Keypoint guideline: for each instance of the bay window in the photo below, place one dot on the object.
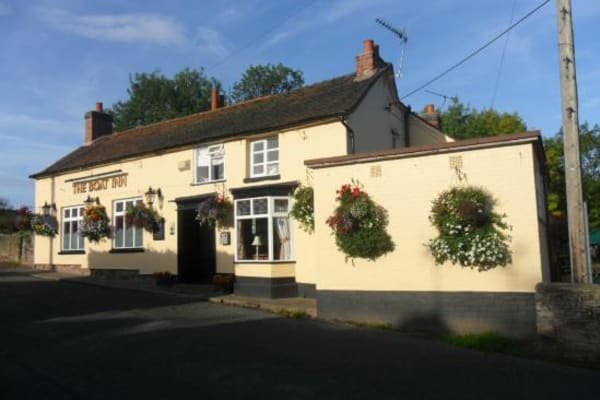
(263, 230)
(126, 236)
(71, 220)
(210, 163)
(264, 157)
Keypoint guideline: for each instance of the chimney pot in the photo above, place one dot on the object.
(99, 107)
(430, 109)
(369, 45)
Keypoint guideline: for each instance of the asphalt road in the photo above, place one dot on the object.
(70, 341)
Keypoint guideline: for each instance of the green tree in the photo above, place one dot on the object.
(264, 80)
(590, 173)
(465, 122)
(154, 97)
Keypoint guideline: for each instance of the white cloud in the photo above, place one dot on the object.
(209, 41)
(119, 28)
(5, 8)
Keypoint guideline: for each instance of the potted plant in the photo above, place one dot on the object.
(95, 224)
(303, 209)
(359, 224)
(143, 216)
(164, 278)
(215, 211)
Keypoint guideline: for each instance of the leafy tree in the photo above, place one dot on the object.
(7, 217)
(154, 97)
(465, 122)
(590, 165)
(264, 80)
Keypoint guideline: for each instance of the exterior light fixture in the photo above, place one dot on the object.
(152, 194)
(46, 209)
(89, 202)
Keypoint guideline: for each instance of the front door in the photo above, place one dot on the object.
(196, 248)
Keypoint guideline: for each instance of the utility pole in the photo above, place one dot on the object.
(570, 113)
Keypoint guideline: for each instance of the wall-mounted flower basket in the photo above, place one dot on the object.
(470, 232)
(144, 217)
(303, 209)
(44, 225)
(215, 211)
(359, 224)
(95, 225)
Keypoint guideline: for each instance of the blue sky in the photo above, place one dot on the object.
(57, 58)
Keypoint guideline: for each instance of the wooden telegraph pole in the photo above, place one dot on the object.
(570, 113)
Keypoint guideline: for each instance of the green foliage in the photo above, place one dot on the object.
(215, 211)
(303, 209)
(264, 80)
(154, 97)
(359, 224)
(489, 341)
(471, 234)
(589, 139)
(465, 122)
(143, 217)
(7, 217)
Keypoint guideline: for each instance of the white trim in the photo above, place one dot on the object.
(264, 152)
(122, 213)
(70, 219)
(211, 153)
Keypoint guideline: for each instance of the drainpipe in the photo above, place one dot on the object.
(350, 143)
(406, 126)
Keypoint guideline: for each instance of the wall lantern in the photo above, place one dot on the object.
(89, 202)
(48, 209)
(151, 195)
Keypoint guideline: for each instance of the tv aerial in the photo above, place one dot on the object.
(401, 34)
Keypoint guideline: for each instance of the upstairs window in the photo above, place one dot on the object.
(210, 163)
(71, 237)
(264, 157)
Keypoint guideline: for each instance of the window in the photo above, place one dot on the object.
(263, 229)
(210, 163)
(264, 157)
(71, 238)
(126, 237)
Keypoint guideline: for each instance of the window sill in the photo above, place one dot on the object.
(123, 251)
(262, 178)
(71, 252)
(207, 182)
(265, 262)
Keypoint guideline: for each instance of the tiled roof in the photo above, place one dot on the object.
(333, 98)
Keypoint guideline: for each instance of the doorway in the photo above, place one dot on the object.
(196, 247)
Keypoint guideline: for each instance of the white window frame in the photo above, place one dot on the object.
(270, 215)
(136, 231)
(265, 164)
(210, 156)
(80, 245)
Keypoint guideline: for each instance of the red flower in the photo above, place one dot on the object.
(356, 192)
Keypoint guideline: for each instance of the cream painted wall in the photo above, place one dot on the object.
(161, 171)
(406, 188)
(421, 133)
(372, 122)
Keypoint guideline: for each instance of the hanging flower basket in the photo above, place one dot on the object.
(470, 232)
(95, 224)
(142, 216)
(44, 225)
(303, 209)
(215, 211)
(359, 224)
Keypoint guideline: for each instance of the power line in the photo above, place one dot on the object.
(512, 15)
(479, 50)
(259, 37)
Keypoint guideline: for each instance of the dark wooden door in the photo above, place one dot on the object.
(196, 248)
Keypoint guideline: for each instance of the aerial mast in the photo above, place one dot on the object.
(401, 35)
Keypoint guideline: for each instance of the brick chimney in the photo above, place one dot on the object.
(97, 124)
(215, 99)
(431, 116)
(368, 62)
